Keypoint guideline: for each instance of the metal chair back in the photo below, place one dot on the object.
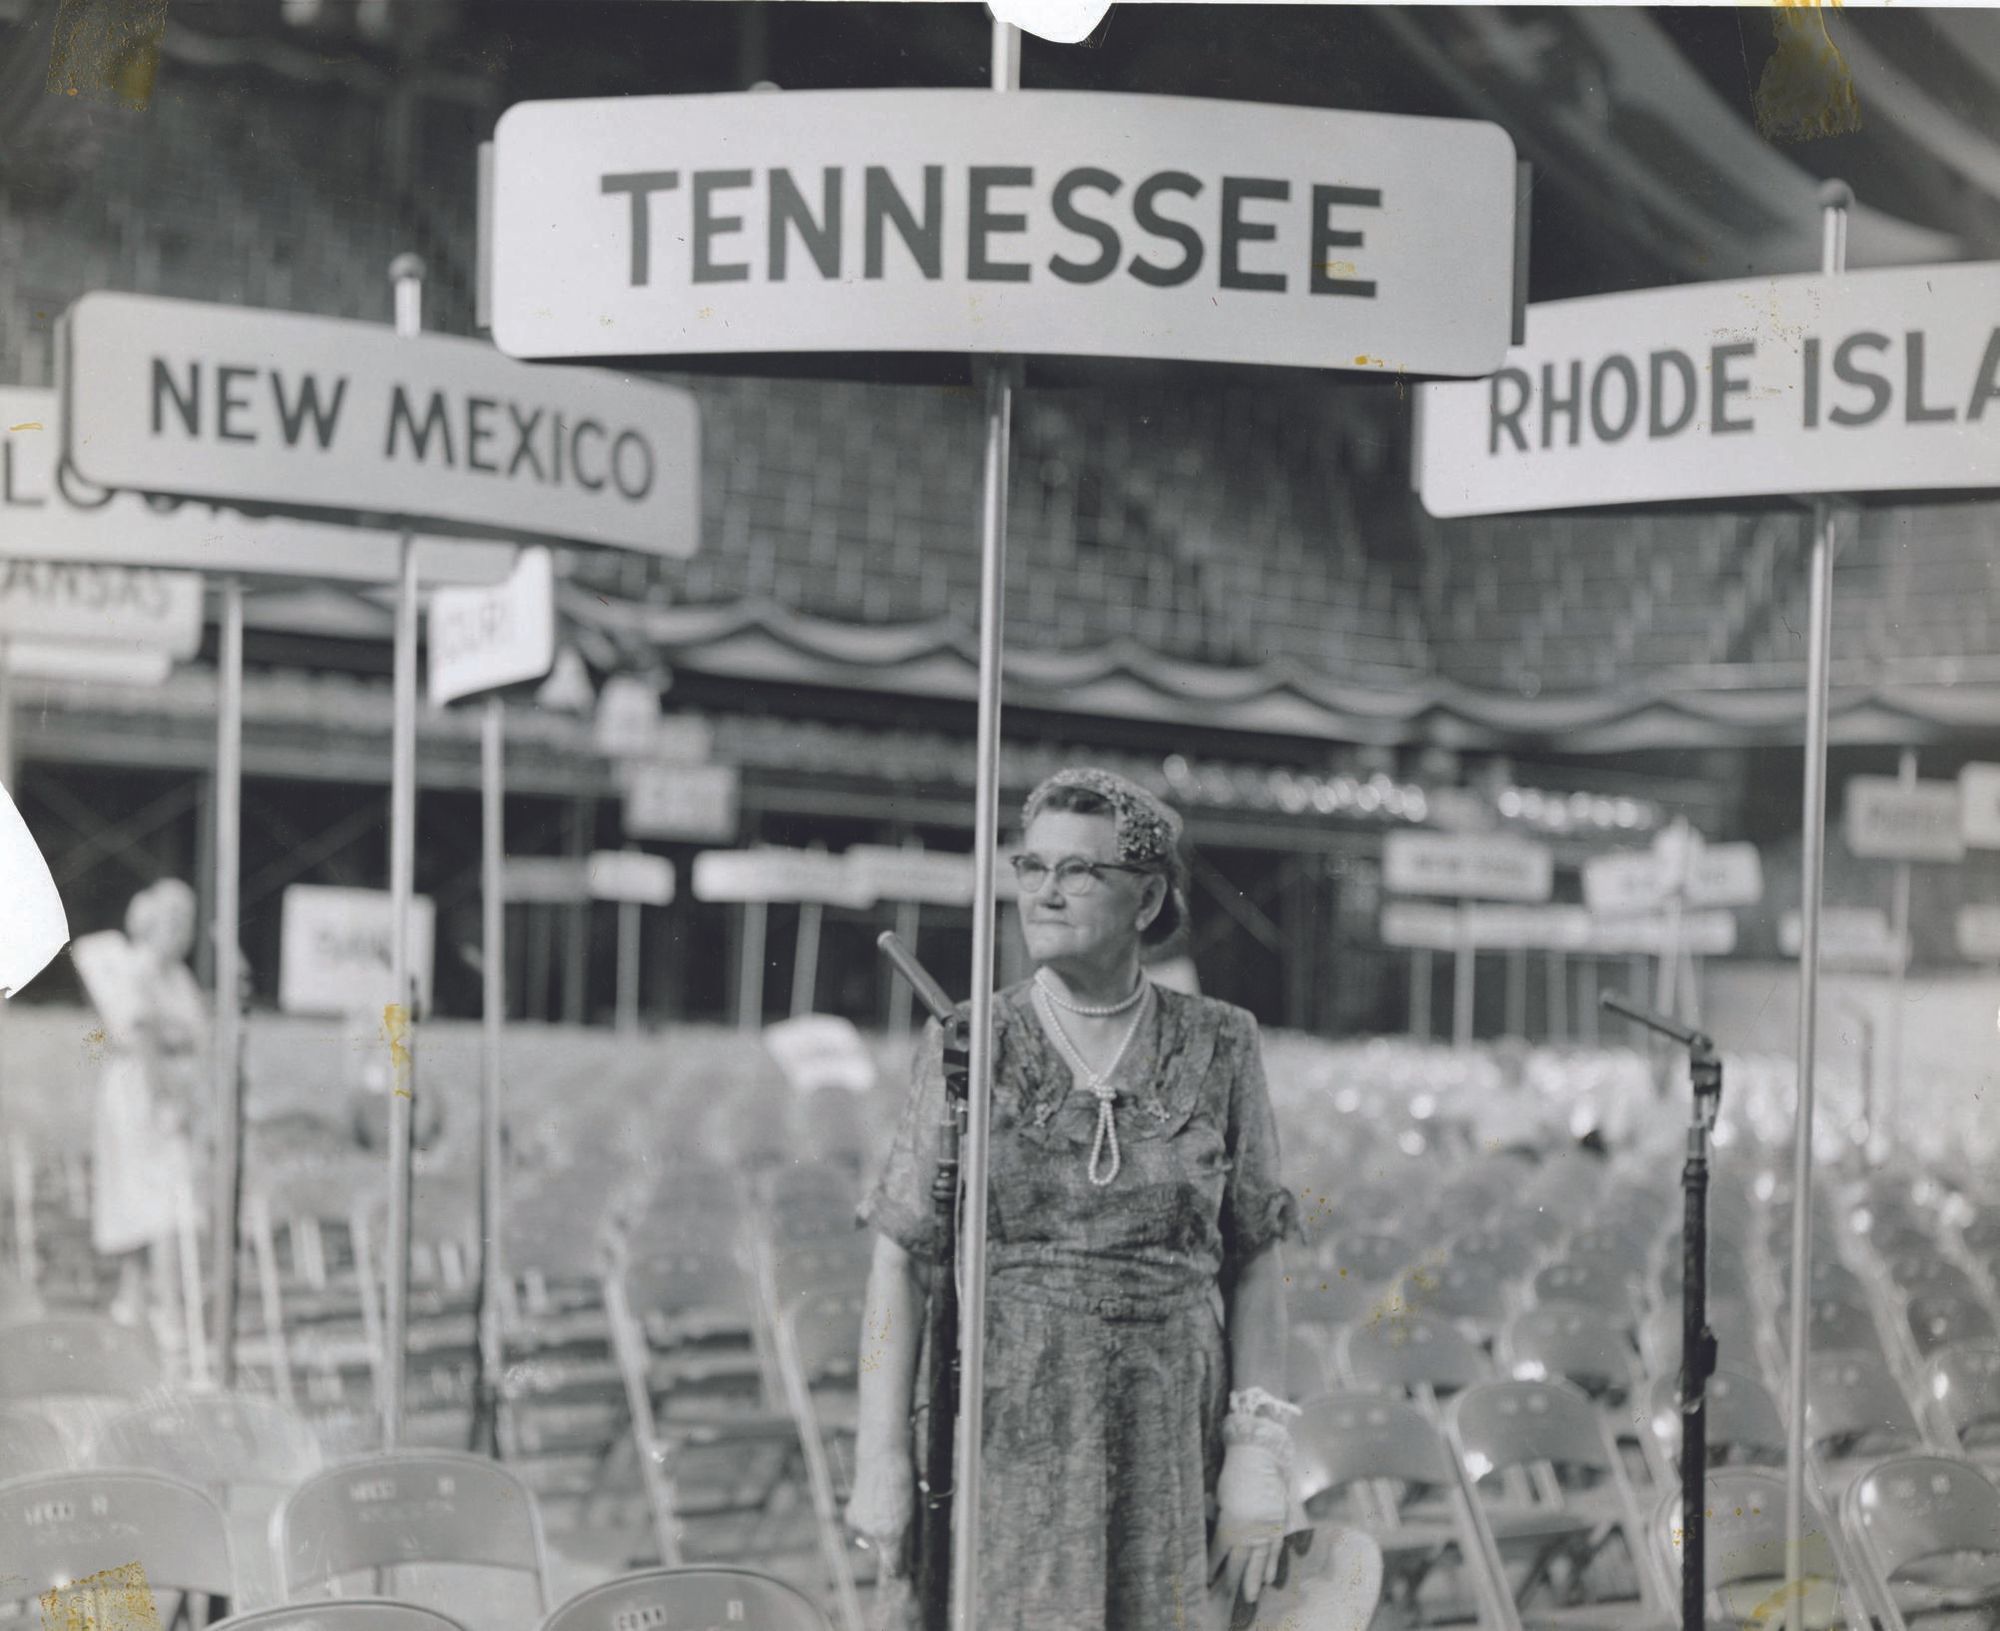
(688, 1600)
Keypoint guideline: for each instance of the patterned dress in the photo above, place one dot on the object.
(1107, 1369)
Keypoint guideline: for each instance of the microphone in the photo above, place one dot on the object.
(1653, 1020)
(929, 992)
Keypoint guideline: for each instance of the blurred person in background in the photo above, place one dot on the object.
(1137, 1448)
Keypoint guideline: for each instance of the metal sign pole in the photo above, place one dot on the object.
(1892, 1103)
(406, 274)
(985, 900)
(493, 1018)
(1420, 994)
(750, 968)
(1464, 970)
(228, 1085)
(1835, 198)
(628, 968)
(1556, 991)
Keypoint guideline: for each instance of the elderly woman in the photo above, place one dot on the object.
(1136, 1449)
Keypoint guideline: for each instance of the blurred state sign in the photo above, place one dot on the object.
(545, 880)
(778, 875)
(1979, 805)
(126, 606)
(1877, 381)
(1850, 937)
(1424, 927)
(1042, 222)
(318, 413)
(817, 1051)
(693, 803)
(1489, 866)
(1657, 934)
(333, 950)
(1978, 933)
(925, 877)
(1716, 875)
(1889, 820)
(481, 639)
(33, 925)
(630, 875)
(48, 514)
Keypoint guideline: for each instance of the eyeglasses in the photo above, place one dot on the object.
(1074, 875)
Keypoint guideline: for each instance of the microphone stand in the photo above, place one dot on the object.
(1697, 1341)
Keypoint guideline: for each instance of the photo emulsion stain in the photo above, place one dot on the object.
(1069, 818)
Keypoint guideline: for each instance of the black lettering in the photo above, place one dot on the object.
(632, 490)
(709, 226)
(821, 237)
(228, 404)
(1600, 423)
(1326, 237)
(1152, 221)
(292, 415)
(478, 432)
(1236, 232)
(1914, 411)
(189, 406)
(558, 448)
(1101, 233)
(524, 441)
(1722, 385)
(1986, 383)
(1507, 419)
(923, 239)
(1572, 405)
(435, 419)
(576, 453)
(1812, 382)
(640, 185)
(1657, 426)
(980, 221)
(1848, 372)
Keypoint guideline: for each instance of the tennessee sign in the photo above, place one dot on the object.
(316, 413)
(1882, 381)
(1046, 222)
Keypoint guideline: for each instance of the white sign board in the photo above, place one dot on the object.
(1854, 937)
(319, 413)
(1043, 222)
(481, 639)
(1979, 805)
(1494, 866)
(1886, 820)
(33, 925)
(47, 514)
(927, 877)
(777, 875)
(545, 880)
(1423, 926)
(694, 803)
(1656, 934)
(123, 606)
(630, 875)
(1717, 875)
(1978, 931)
(816, 1051)
(1877, 381)
(334, 950)
(1628, 881)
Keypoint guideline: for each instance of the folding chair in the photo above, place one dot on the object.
(1738, 1339)
(1925, 1533)
(819, 1340)
(1519, 1440)
(843, 1260)
(1586, 1349)
(830, 1125)
(1926, 1271)
(1744, 1555)
(344, 1614)
(1593, 1283)
(1742, 1421)
(1962, 1387)
(1371, 1257)
(32, 1443)
(1504, 1253)
(1835, 1325)
(74, 1370)
(1938, 1319)
(1380, 1462)
(1469, 1294)
(1624, 1252)
(432, 1526)
(1855, 1413)
(246, 1452)
(59, 1529)
(688, 1600)
(1408, 1353)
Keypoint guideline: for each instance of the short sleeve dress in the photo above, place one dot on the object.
(1107, 1372)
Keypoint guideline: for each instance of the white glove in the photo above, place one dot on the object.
(1253, 1496)
(883, 1502)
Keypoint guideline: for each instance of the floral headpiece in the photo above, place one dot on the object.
(1147, 830)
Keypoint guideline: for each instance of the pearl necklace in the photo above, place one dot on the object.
(1099, 1083)
(1044, 981)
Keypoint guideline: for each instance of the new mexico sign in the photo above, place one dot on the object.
(1883, 381)
(317, 413)
(1044, 222)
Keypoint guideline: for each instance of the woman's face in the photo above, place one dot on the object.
(1081, 928)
